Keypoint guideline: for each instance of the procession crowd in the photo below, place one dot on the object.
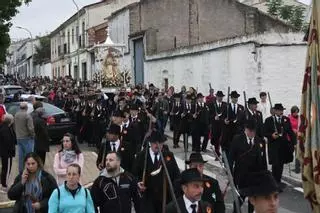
(137, 168)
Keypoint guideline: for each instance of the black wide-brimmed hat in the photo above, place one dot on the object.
(199, 95)
(234, 94)
(157, 137)
(191, 175)
(219, 94)
(259, 184)
(195, 157)
(252, 101)
(250, 124)
(278, 107)
(114, 129)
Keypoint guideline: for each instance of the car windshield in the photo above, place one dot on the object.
(12, 108)
(51, 109)
(13, 90)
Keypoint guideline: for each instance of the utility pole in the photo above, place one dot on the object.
(31, 37)
(78, 39)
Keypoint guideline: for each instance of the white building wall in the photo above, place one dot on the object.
(239, 63)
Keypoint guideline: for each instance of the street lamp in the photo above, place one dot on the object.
(25, 29)
(78, 49)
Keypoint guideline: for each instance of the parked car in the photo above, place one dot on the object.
(8, 90)
(58, 121)
(27, 97)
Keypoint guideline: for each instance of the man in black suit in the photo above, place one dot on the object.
(200, 125)
(192, 186)
(217, 113)
(211, 189)
(247, 155)
(231, 123)
(113, 143)
(281, 141)
(151, 174)
(252, 113)
(175, 118)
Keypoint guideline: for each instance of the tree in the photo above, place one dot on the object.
(293, 15)
(274, 7)
(42, 51)
(8, 9)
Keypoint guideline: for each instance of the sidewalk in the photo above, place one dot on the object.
(288, 176)
(90, 171)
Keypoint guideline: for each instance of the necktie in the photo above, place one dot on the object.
(250, 141)
(194, 208)
(156, 162)
(279, 120)
(114, 147)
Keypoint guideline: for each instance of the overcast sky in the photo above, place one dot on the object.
(43, 16)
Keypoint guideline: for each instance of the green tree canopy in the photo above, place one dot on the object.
(8, 9)
(42, 53)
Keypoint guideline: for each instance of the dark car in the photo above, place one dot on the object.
(58, 121)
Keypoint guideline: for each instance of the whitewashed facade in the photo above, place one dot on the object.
(64, 44)
(268, 62)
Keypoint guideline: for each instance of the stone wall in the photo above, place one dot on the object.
(182, 23)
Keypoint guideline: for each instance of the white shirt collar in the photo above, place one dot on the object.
(117, 144)
(248, 140)
(126, 124)
(188, 204)
(152, 155)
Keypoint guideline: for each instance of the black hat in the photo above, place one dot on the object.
(121, 94)
(196, 157)
(191, 175)
(252, 101)
(259, 184)
(151, 85)
(234, 94)
(199, 95)
(219, 94)
(114, 129)
(119, 113)
(134, 106)
(278, 107)
(250, 124)
(157, 137)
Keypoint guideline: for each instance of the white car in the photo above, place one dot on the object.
(8, 90)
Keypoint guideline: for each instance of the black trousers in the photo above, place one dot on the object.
(5, 170)
(277, 170)
(42, 155)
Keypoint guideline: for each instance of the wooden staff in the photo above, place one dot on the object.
(169, 181)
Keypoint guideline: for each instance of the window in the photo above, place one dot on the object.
(68, 43)
(83, 34)
(77, 33)
(72, 36)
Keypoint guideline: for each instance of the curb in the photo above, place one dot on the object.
(293, 181)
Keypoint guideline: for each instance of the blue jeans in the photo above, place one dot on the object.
(25, 146)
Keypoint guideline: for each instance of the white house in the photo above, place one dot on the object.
(69, 39)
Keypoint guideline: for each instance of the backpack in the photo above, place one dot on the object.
(58, 189)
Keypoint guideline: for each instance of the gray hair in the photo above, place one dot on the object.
(24, 105)
(8, 119)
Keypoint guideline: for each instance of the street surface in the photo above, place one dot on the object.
(291, 200)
